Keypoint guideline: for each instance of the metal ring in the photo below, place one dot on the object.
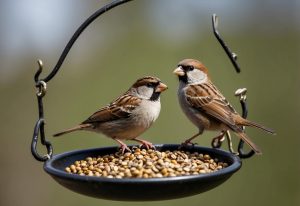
(42, 88)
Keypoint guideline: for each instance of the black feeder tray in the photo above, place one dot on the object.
(140, 189)
(133, 189)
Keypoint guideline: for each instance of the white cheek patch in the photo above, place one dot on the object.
(196, 76)
(145, 92)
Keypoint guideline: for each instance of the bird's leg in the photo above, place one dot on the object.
(145, 143)
(217, 141)
(123, 146)
(189, 140)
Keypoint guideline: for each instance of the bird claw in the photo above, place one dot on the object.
(147, 145)
(124, 147)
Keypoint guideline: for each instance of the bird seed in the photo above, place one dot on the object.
(142, 163)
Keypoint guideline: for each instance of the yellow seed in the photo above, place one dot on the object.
(211, 166)
(202, 171)
(136, 172)
(164, 171)
(68, 169)
(187, 169)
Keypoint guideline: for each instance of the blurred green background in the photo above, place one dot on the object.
(149, 38)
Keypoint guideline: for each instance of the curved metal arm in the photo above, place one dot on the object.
(232, 56)
(41, 84)
(77, 33)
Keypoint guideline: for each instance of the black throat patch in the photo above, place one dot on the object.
(183, 78)
(155, 96)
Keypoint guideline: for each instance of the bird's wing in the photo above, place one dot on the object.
(206, 98)
(119, 109)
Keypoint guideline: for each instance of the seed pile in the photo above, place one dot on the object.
(143, 163)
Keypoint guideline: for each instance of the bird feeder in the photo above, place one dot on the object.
(133, 189)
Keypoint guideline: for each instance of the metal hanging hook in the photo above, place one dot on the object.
(39, 71)
(39, 129)
(39, 126)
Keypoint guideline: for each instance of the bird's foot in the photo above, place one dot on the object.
(144, 143)
(123, 148)
(187, 143)
(147, 145)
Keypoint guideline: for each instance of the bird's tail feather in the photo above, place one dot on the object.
(78, 127)
(246, 139)
(253, 124)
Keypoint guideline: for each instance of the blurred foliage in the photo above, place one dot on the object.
(125, 45)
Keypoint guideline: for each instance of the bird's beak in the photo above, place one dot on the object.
(179, 71)
(161, 87)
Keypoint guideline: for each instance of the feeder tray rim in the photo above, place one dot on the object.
(233, 167)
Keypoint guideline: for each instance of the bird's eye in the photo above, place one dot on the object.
(191, 68)
(150, 84)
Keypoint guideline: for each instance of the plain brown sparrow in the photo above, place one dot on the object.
(129, 115)
(206, 107)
